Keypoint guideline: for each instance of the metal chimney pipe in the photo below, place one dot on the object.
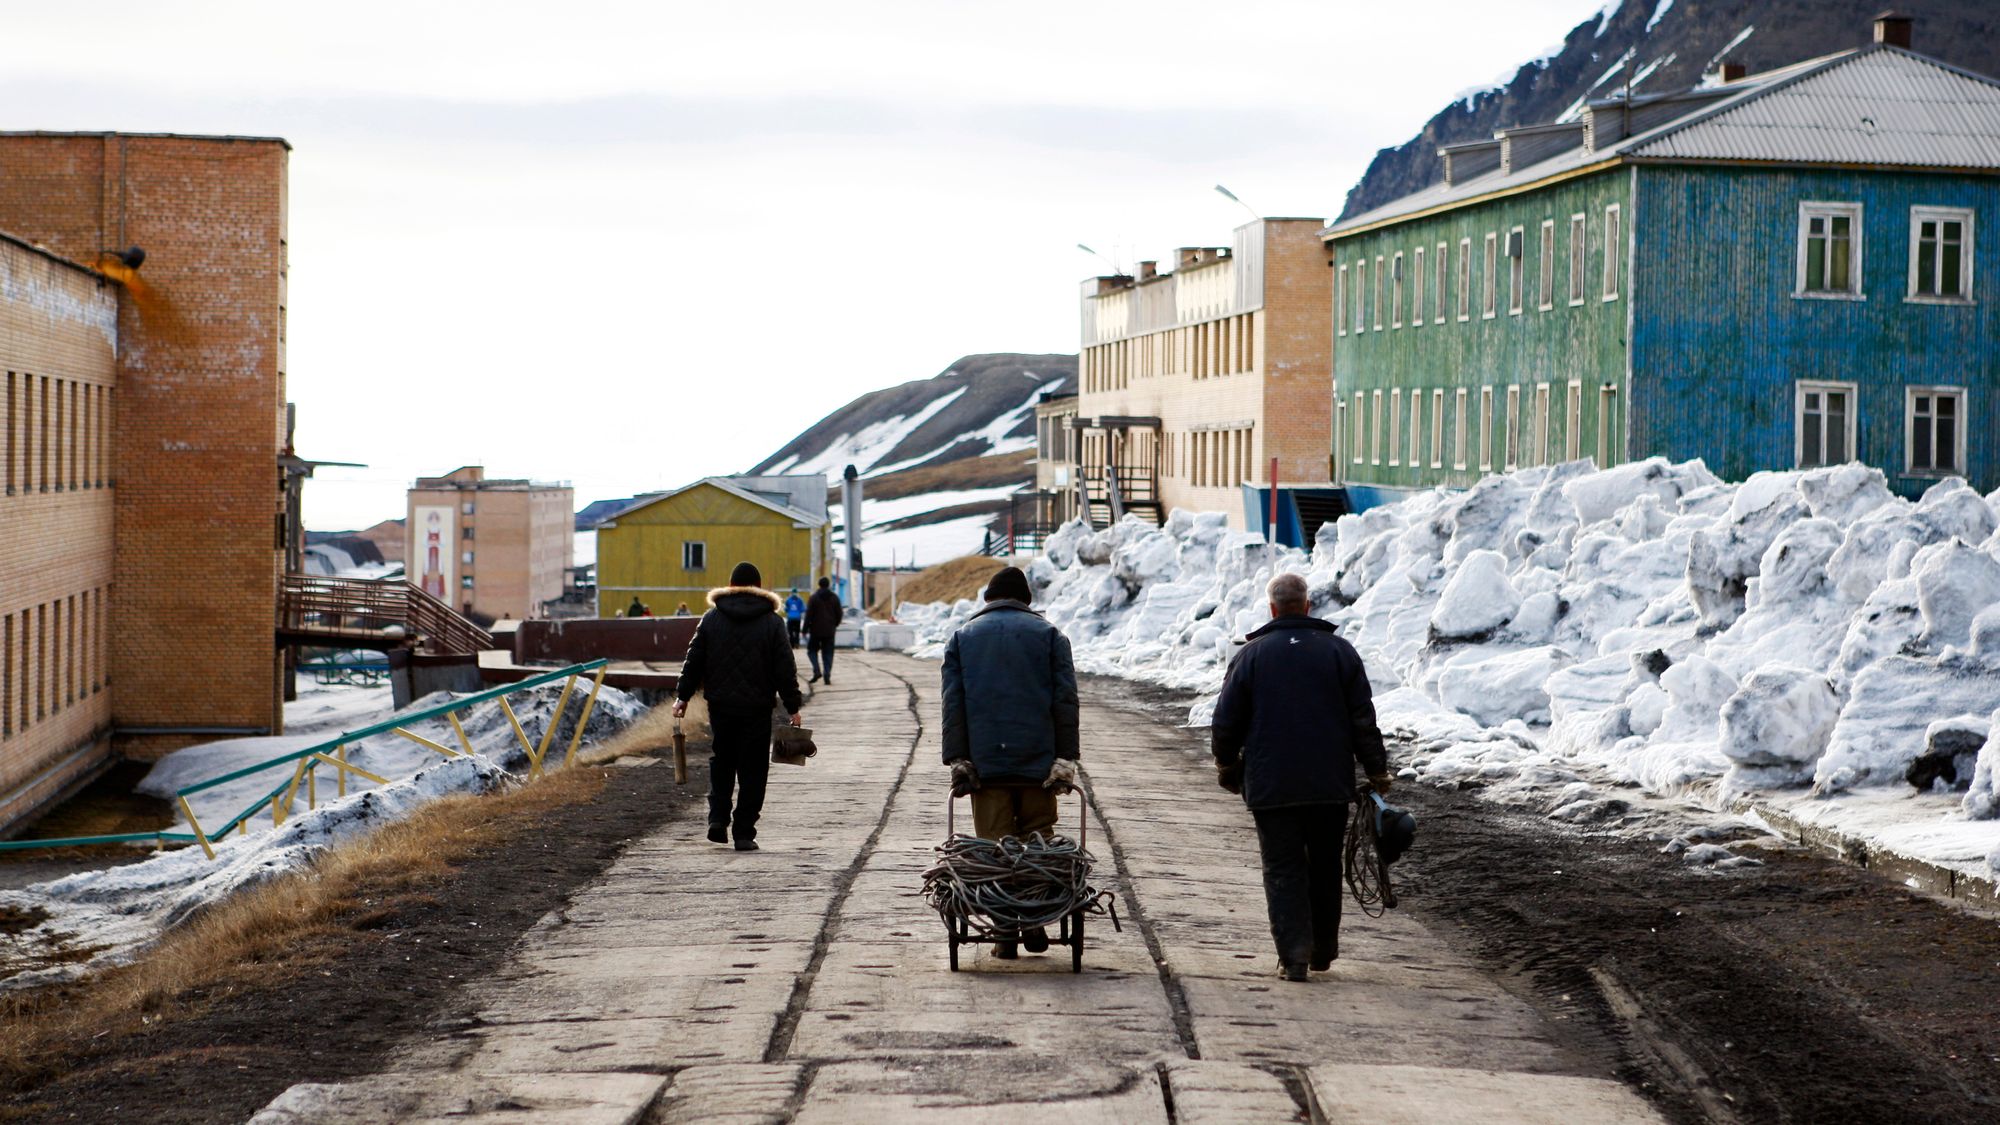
(850, 518)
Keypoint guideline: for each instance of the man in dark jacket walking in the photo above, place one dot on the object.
(823, 614)
(741, 662)
(1010, 719)
(1294, 715)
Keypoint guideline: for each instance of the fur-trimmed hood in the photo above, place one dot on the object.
(744, 601)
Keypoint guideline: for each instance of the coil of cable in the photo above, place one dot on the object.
(1003, 887)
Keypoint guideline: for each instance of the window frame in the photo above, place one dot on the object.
(1486, 429)
(1579, 255)
(1437, 428)
(1375, 429)
(1544, 403)
(1443, 268)
(1926, 213)
(1511, 449)
(1607, 412)
(1614, 255)
(1361, 295)
(1856, 250)
(1377, 321)
(1573, 421)
(1359, 437)
(1396, 289)
(1464, 280)
(1340, 301)
(1800, 388)
(1395, 427)
(1417, 287)
(699, 546)
(1545, 285)
(1935, 391)
(1489, 300)
(1517, 272)
(1461, 445)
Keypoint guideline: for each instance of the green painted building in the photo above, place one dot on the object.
(1771, 272)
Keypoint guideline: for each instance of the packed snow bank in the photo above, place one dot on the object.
(1792, 635)
(119, 909)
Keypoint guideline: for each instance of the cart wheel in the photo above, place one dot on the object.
(1076, 942)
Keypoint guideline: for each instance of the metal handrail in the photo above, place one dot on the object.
(310, 600)
(333, 752)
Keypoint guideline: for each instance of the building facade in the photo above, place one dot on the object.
(1770, 272)
(1192, 382)
(672, 548)
(490, 547)
(140, 434)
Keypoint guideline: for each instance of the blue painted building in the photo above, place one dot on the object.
(1768, 272)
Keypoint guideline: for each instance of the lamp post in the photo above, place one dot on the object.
(1231, 197)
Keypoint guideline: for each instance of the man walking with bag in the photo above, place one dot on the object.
(1010, 720)
(1294, 715)
(742, 664)
(823, 615)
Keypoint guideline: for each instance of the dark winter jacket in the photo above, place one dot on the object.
(741, 656)
(1297, 712)
(822, 615)
(1009, 695)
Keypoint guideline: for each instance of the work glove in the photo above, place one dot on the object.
(964, 778)
(1380, 783)
(1062, 777)
(1230, 776)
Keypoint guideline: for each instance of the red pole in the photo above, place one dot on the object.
(1273, 525)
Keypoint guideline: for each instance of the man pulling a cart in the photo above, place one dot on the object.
(1010, 720)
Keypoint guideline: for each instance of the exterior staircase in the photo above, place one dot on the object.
(353, 613)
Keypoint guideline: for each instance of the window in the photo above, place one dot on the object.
(1825, 424)
(465, 583)
(1340, 302)
(1416, 287)
(465, 533)
(1548, 278)
(1940, 254)
(1437, 429)
(1396, 291)
(1607, 412)
(694, 556)
(466, 558)
(1490, 298)
(1437, 299)
(466, 507)
(1829, 250)
(1541, 430)
(1577, 247)
(1361, 296)
(1513, 447)
(1464, 279)
(1358, 441)
(1458, 444)
(1573, 421)
(1485, 429)
(1375, 432)
(1377, 320)
(1934, 430)
(1340, 434)
(1517, 265)
(1614, 250)
(1396, 426)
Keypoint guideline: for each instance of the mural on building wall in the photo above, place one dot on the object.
(432, 556)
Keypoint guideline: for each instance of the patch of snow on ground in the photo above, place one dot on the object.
(1793, 637)
(121, 908)
(928, 544)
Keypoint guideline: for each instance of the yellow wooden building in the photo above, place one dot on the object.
(677, 546)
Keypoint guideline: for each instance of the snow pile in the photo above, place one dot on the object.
(1647, 624)
(118, 909)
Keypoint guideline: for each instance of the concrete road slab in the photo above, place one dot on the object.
(730, 1092)
(976, 1091)
(480, 1099)
(1420, 1095)
(1221, 1093)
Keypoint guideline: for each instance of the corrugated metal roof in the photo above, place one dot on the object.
(1876, 105)
(1883, 106)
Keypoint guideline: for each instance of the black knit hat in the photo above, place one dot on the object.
(1009, 584)
(745, 574)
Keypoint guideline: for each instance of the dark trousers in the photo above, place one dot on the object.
(739, 766)
(1301, 849)
(792, 627)
(819, 650)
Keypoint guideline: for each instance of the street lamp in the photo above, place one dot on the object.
(1114, 266)
(1231, 197)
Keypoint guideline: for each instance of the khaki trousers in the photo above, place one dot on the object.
(999, 811)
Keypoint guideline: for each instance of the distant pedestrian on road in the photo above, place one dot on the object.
(741, 664)
(795, 615)
(637, 608)
(1294, 715)
(823, 615)
(1010, 720)
(683, 611)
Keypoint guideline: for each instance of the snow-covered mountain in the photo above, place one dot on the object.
(1657, 47)
(939, 455)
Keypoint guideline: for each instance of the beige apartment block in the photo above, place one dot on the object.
(497, 548)
(1192, 381)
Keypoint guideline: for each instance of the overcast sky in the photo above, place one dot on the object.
(629, 245)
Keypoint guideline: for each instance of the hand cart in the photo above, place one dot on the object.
(965, 868)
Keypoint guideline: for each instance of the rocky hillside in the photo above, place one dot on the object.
(939, 456)
(1658, 46)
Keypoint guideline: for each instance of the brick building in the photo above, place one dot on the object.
(496, 548)
(1192, 381)
(141, 431)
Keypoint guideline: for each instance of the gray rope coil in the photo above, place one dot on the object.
(999, 888)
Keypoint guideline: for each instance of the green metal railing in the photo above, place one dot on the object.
(333, 753)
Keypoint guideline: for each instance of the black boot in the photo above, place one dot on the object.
(718, 833)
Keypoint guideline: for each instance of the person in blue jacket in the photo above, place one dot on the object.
(795, 616)
(1010, 720)
(1294, 716)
